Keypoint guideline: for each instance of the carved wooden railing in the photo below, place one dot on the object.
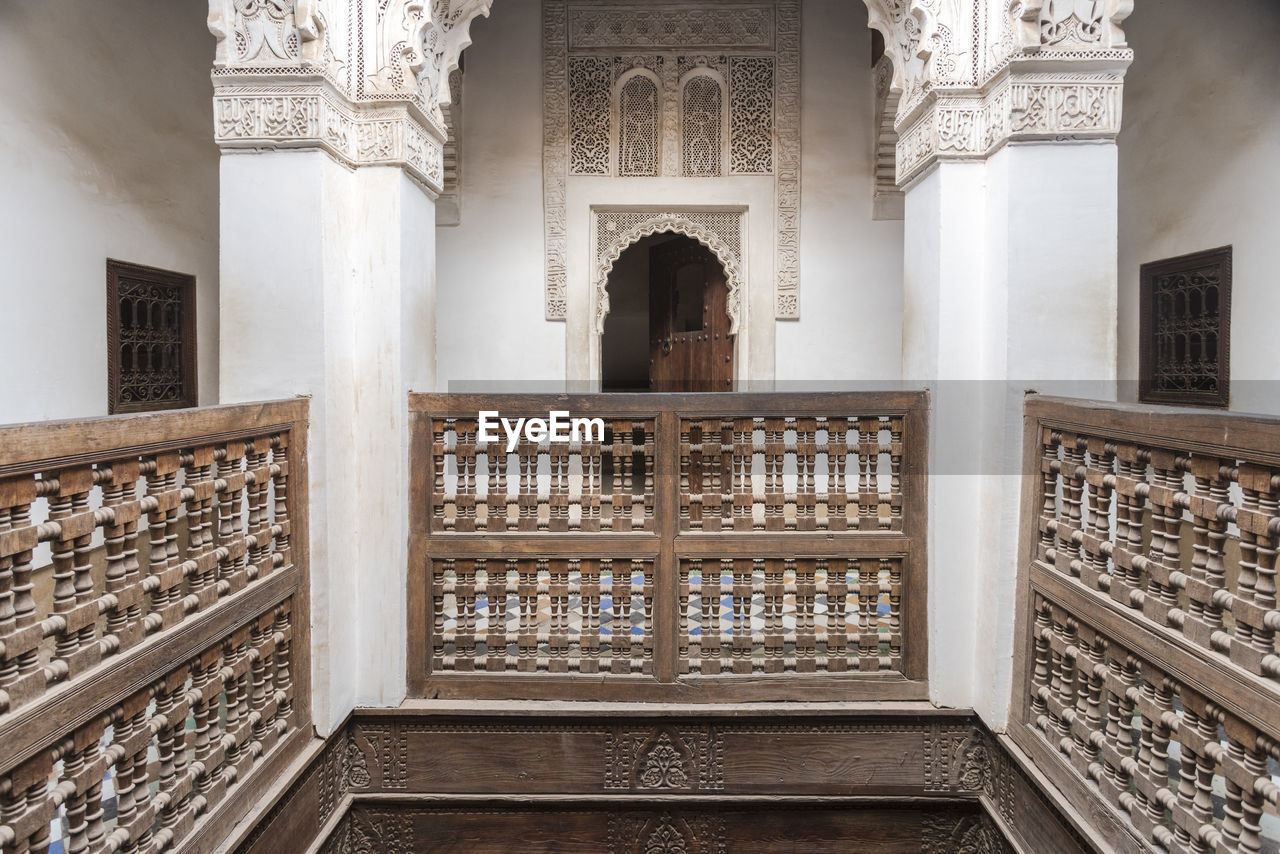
(155, 692)
(1148, 683)
(712, 547)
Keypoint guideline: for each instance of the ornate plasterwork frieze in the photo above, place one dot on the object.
(590, 50)
(363, 80)
(720, 231)
(311, 114)
(1015, 105)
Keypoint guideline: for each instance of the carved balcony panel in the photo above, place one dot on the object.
(1149, 676)
(711, 547)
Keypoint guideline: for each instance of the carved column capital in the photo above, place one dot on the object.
(362, 80)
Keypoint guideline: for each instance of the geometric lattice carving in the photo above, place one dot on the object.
(639, 114)
(1185, 334)
(751, 115)
(702, 126)
(150, 338)
(589, 79)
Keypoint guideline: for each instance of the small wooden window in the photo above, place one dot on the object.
(1186, 330)
(151, 338)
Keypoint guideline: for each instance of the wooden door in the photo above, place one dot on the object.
(690, 348)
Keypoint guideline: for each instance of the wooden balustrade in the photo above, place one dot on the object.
(711, 547)
(149, 701)
(1148, 679)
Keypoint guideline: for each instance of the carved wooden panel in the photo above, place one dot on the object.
(670, 781)
(1185, 329)
(1150, 672)
(143, 710)
(151, 338)
(694, 550)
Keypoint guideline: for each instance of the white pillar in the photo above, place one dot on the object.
(1010, 287)
(329, 292)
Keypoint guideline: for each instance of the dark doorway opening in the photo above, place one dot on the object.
(668, 322)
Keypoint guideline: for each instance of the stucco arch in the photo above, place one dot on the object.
(677, 224)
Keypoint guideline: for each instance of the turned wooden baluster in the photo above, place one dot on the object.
(465, 597)
(1065, 683)
(171, 749)
(1114, 778)
(868, 451)
(1049, 467)
(894, 571)
(1098, 532)
(1208, 570)
(165, 576)
(280, 486)
(1073, 471)
(806, 593)
(1166, 534)
(1042, 634)
(838, 613)
(774, 448)
(1257, 582)
(123, 576)
(528, 594)
(21, 676)
(558, 457)
(777, 580)
(558, 616)
(74, 603)
(283, 628)
(199, 466)
(589, 586)
(129, 723)
(725, 476)
(896, 449)
(495, 592)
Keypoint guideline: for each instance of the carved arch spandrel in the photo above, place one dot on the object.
(676, 224)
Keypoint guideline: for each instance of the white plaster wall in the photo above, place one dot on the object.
(328, 291)
(107, 152)
(489, 268)
(1198, 169)
(850, 266)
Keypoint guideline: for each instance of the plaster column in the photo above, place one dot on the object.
(330, 293)
(1010, 288)
(329, 116)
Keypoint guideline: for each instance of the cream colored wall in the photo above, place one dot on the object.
(107, 152)
(850, 323)
(1198, 169)
(490, 268)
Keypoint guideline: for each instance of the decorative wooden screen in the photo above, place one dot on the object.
(153, 625)
(711, 547)
(151, 338)
(1148, 683)
(1185, 336)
